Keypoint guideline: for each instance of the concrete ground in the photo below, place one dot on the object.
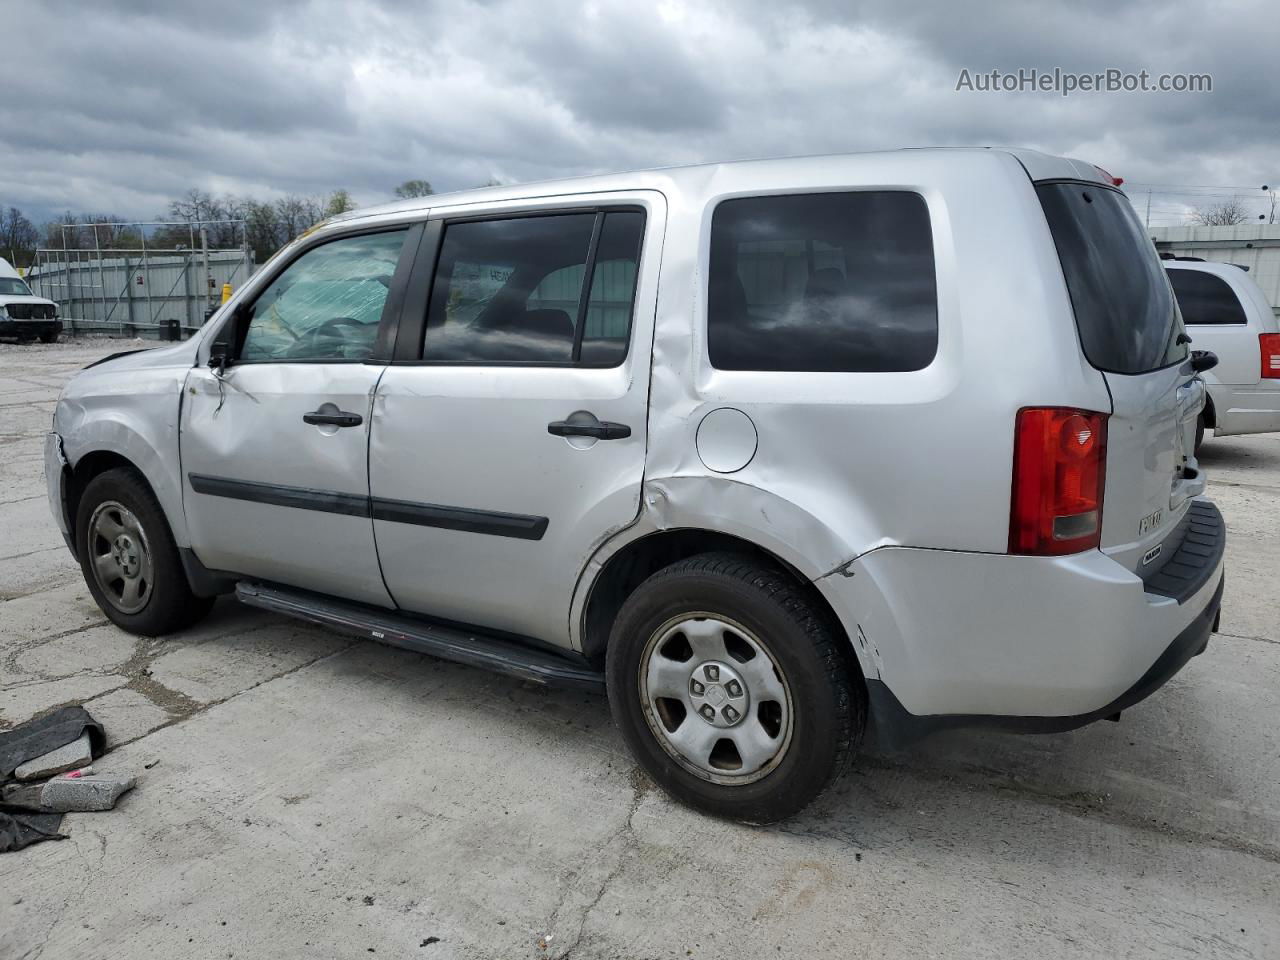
(304, 795)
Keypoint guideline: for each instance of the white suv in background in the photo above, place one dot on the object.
(778, 452)
(22, 314)
(1227, 313)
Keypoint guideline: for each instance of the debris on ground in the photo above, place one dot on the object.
(62, 742)
(69, 794)
(73, 755)
(43, 735)
(20, 829)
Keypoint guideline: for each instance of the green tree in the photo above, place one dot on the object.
(414, 188)
(339, 202)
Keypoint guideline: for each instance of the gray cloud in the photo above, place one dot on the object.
(122, 104)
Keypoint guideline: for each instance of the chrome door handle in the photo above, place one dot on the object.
(339, 419)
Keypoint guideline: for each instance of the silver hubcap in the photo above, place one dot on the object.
(715, 698)
(120, 557)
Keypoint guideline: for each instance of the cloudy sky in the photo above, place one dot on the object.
(119, 105)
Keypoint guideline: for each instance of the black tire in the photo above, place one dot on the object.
(170, 605)
(1199, 434)
(48, 338)
(828, 700)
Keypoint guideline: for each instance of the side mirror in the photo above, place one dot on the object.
(219, 355)
(1202, 360)
(222, 349)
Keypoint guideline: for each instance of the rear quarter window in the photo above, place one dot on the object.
(1205, 298)
(1124, 307)
(822, 282)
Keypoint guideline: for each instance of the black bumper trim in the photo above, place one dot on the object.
(1189, 555)
(893, 726)
(29, 328)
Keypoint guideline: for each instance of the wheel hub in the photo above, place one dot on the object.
(718, 694)
(119, 557)
(125, 553)
(715, 698)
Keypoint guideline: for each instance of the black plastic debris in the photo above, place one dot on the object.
(29, 741)
(19, 828)
(45, 734)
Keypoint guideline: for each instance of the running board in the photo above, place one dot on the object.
(447, 643)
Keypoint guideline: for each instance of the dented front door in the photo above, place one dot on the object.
(274, 444)
(268, 494)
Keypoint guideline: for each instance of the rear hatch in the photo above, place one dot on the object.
(1130, 330)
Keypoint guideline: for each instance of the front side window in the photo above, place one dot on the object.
(822, 282)
(1205, 298)
(515, 290)
(327, 304)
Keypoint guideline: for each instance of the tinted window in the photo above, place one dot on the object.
(1124, 307)
(607, 326)
(511, 291)
(327, 304)
(13, 287)
(1204, 298)
(822, 282)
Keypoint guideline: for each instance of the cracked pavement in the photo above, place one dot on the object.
(301, 794)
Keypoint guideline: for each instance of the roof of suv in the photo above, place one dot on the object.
(1039, 166)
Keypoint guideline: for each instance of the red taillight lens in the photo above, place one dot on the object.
(1059, 462)
(1270, 346)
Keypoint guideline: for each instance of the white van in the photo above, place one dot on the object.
(1226, 313)
(22, 314)
(779, 452)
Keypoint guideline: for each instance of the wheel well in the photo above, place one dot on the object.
(637, 561)
(1210, 415)
(88, 467)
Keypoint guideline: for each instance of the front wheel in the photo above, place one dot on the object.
(48, 338)
(728, 684)
(129, 559)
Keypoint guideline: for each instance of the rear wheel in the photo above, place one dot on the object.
(729, 687)
(129, 559)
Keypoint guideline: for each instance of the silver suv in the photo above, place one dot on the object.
(779, 452)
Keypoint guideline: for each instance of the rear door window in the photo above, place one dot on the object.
(822, 282)
(1205, 298)
(1125, 311)
(515, 290)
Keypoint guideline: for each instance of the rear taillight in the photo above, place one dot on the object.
(1059, 461)
(1269, 343)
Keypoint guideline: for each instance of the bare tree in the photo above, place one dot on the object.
(1224, 214)
(414, 188)
(292, 216)
(18, 237)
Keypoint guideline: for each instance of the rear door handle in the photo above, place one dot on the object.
(339, 419)
(600, 430)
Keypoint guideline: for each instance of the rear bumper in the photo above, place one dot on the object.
(894, 725)
(1246, 409)
(29, 328)
(950, 639)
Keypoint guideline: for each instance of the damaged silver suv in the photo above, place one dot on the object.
(780, 453)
